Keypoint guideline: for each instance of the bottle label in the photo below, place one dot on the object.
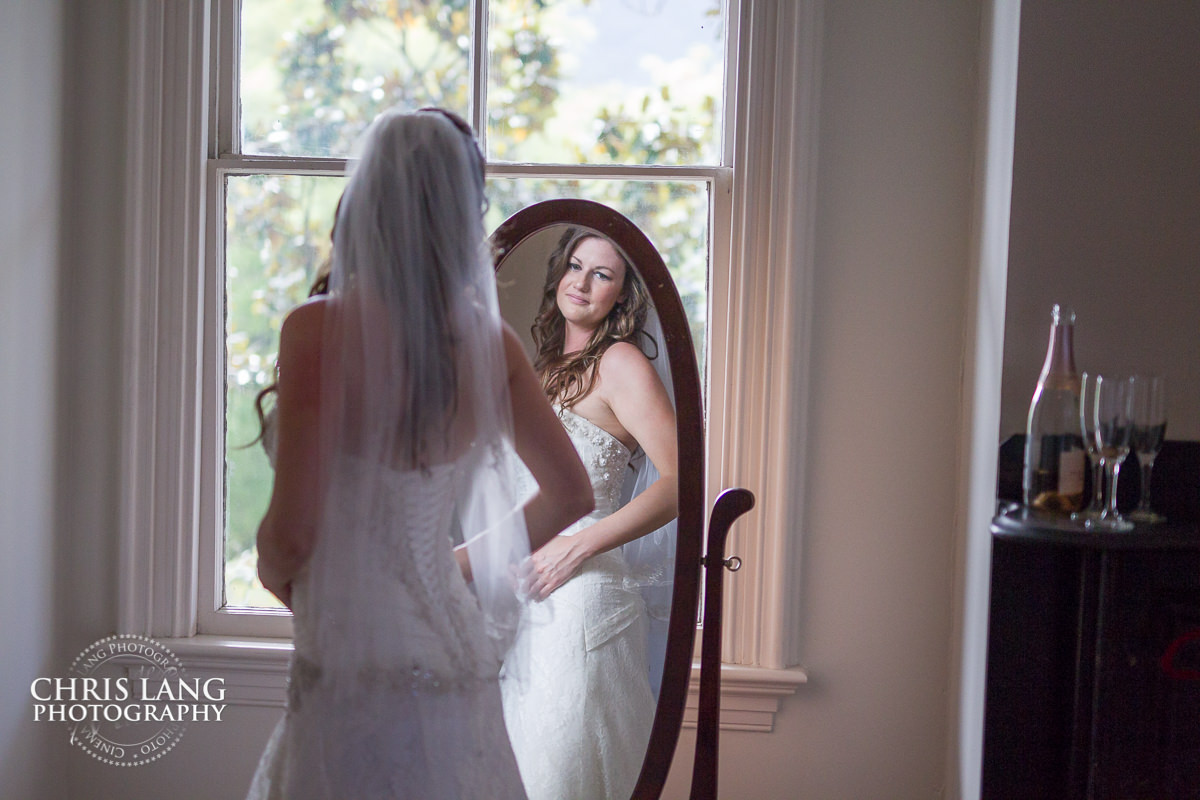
(1071, 469)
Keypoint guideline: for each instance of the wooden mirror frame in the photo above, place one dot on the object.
(689, 425)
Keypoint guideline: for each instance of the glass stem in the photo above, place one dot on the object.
(1144, 502)
(1115, 470)
(1097, 504)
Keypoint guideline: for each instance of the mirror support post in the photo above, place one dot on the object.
(731, 504)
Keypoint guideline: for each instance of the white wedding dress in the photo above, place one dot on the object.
(580, 719)
(421, 716)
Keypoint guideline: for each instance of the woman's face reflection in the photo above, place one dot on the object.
(593, 283)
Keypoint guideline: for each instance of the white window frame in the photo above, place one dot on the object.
(172, 433)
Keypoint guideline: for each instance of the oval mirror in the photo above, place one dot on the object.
(524, 245)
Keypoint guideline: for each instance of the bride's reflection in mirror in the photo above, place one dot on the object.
(580, 708)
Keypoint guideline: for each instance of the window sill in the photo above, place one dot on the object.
(254, 669)
(255, 673)
(750, 696)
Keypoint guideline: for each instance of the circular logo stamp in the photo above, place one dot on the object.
(124, 700)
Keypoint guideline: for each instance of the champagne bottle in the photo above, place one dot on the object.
(1055, 459)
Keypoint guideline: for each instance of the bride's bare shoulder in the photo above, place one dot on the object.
(309, 312)
(302, 325)
(624, 361)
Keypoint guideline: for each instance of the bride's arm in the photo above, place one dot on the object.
(288, 530)
(564, 491)
(632, 389)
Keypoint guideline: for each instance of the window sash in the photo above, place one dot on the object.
(212, 617)
(224, 160)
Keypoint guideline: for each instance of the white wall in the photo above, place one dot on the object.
(1106, 197)
(31, 51)
(899, 88)
(89, 321)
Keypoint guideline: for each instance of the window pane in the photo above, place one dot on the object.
(606, 81)
(277, 236)
(672, 213)
(315, 73)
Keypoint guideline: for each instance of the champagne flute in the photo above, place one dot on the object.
(1149, 428)
(1087, 427)
(1114, 432)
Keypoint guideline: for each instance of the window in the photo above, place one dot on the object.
(215, 194)
(586, 109)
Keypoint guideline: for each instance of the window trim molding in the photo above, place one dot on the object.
(763, 364)
(165, 241)
(750, 696)
(755, 389)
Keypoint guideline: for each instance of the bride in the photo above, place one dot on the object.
(581, 721)
(396, 391)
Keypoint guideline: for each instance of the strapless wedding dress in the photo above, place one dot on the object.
(421, 717)
(580, 719)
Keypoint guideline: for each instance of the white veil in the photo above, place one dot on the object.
(414, 382)
(651, 558)
(415, 450)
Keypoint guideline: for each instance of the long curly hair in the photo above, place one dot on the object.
(569, 377)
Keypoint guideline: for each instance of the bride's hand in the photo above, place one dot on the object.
(555, 563)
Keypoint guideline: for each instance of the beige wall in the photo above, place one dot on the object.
(1106, 197)
(898, 106)
(899, 101)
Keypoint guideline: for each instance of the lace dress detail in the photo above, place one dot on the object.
(580, 721)
(426, 686)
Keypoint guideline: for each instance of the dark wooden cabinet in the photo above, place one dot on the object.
(1093, 675)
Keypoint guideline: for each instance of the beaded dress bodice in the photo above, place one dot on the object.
(430, 636)
(606, 460)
